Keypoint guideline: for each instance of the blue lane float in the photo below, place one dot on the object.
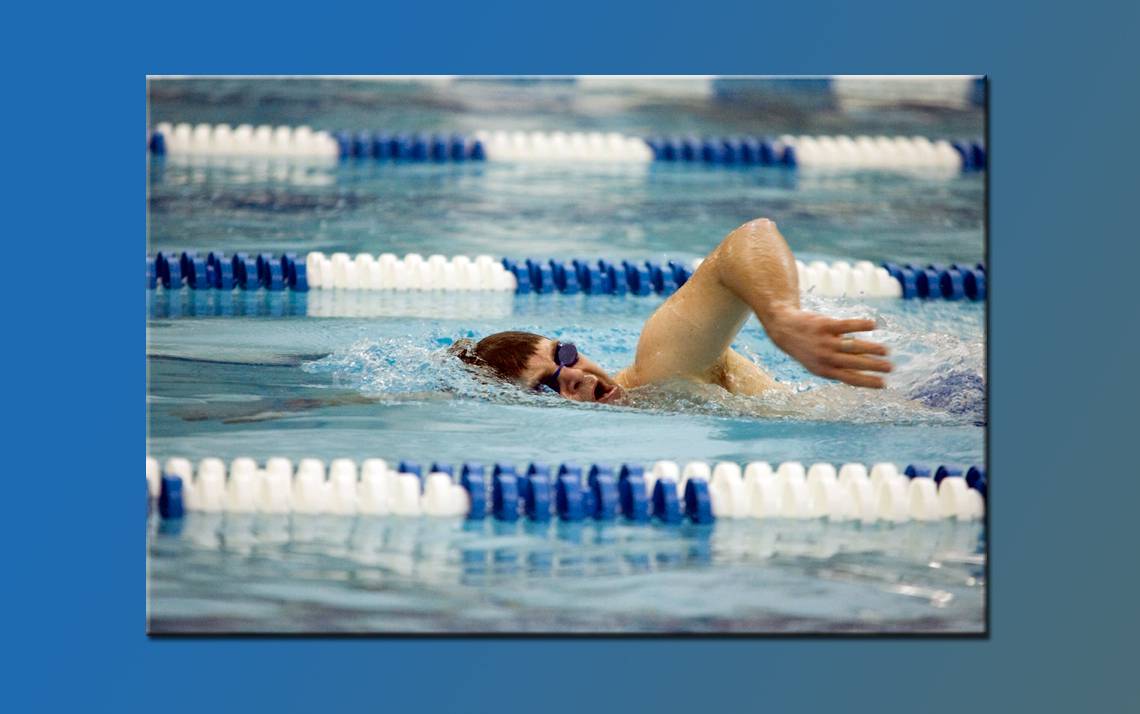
(537, 493)
(603, 492)
(744, 150)
(471, 480)
(217, 272)
(933, 281)
(632, 495)
(976, 479)
(504, 493)
(569, 498)
(170, 503)
(698, 501)
(666, 504)
(418, 147)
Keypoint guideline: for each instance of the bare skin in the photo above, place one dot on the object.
(586, 381)
(751, 272)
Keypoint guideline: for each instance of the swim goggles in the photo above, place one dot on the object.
(565, 355)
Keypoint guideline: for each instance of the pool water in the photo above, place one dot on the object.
(249, 574)
(363, 375)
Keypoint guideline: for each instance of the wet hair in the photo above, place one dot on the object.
(505, 353)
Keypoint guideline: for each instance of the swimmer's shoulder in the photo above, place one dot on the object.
(740, 375)
(718, 375)
(626, 379)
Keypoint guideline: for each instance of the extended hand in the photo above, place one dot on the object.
(821, 344)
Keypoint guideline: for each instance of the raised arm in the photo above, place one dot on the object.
(752, 271)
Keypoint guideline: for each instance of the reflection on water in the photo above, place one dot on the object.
(166, 304)
(218, 171)
(262, 573)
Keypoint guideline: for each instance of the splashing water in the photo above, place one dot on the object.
(937, 379)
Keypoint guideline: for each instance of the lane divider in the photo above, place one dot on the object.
(413, 272)
(560, 146)
(243, 140)
(882, 152)
(408, 147)
(952, 282)
(663, 493)
(216, 271)
(842, 279)
(860, 152)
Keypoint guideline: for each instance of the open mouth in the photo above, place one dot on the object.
(603, 394)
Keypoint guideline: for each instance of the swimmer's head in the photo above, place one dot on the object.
(536, 363)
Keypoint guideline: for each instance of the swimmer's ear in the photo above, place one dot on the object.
(464, 349)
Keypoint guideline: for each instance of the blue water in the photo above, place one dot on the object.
(237, 573)
(365, 375)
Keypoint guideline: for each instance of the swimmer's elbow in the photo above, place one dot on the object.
(757, 234)
(755, 263)
(757, 225)
(757, 238)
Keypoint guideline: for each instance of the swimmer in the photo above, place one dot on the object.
(688, 337)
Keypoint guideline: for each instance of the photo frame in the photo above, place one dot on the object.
(319, 248)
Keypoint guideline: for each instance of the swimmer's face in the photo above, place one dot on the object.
(584, 381)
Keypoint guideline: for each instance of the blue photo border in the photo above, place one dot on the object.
(1062, 338)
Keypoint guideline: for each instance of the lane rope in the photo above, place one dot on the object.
(387, 272)
(302, 142)
(664, 491)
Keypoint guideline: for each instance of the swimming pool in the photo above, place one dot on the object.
(312, 375)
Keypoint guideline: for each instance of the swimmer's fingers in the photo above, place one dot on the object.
(855, 379)
(859, 362)
(839, 327)
(855, 347)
